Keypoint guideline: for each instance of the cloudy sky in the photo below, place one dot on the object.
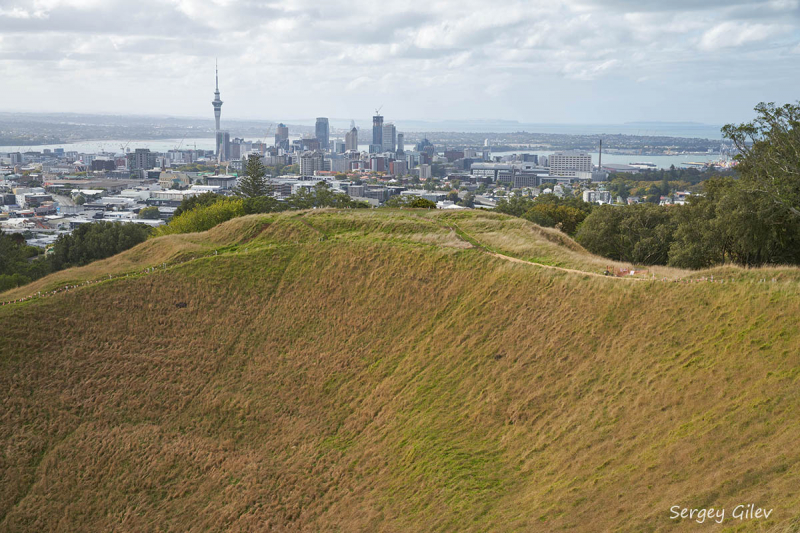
(550, 61)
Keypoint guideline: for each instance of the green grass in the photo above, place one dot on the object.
(374, 371)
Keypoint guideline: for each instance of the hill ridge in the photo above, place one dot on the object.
(392, 377)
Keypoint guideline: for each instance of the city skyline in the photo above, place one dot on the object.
(575, 61)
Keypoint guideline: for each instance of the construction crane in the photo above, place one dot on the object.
(378, 111)
(181, 143)
(268, 132)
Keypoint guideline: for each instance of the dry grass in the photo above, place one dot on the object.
(331, 374)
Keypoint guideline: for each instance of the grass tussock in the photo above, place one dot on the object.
(329, 374)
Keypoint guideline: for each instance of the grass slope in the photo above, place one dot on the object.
(375, 371)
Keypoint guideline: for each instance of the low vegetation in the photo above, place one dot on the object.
(383, 370)
(207, 210)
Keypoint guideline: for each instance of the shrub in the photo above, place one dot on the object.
(204, 218)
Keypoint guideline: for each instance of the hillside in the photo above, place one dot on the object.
(395, 371)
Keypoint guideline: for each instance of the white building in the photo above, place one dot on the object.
(310, 162)
(569, 163)
(425, 172)
(597, 197)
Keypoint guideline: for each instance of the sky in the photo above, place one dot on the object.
(551, 61)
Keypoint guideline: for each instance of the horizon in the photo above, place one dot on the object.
(679, 129)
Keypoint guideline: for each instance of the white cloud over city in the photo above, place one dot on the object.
(549, 61)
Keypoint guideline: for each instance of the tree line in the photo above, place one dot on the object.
(750, 218)
(20, 264)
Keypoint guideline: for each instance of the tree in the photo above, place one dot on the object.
(468, 200)
(96, 240)
(564, 217)
(80, 200)
(254, 182)
(410, 201)
(731, 223)
(15, 269)
(769, 154)
(150, 213)
(421, 203)
(698, 239)
(640, 234)
(191, 202)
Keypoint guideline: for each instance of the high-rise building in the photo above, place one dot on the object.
(223, 146)
(217, 103)
(568, 163)
(311, 162)
(141, 159)
(400, 145)
(282, 134)
(351, 139)
(389, 137)
(323, 132)
(398, 168)
(424, 172)
(377, 130)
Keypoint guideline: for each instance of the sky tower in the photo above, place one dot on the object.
(217, 103)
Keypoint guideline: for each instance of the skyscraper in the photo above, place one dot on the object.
(223, 146)
(400, 145)
(389, 137)
(323, 133)
(282, 133)
(351, 139)
(217, 103)
(377, 130)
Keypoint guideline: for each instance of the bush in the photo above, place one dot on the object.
(150, 213)
(204, 218)
(190, 202)
(410, 201)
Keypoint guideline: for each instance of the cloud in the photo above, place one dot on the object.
(307, 57)
(732, 34)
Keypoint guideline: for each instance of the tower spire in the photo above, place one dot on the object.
(216, 72)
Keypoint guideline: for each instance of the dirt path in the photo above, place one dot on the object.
(562, 269)
(472, 241)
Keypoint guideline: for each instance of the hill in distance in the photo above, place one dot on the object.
(395, 371)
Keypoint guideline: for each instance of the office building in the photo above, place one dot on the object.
(351, 140)
(425, 172)
(223, 146)
(282, 134)
(398, 168)
(377, 130)
(568, 163)
(378, 164)
(400, 146)
(389, 137)
(322, 130)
